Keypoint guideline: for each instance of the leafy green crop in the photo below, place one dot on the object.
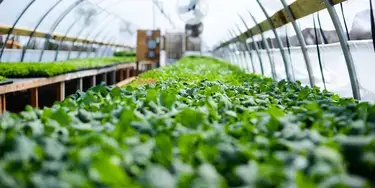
(203, 124)
(124, 54)
(2, 78)
(27, 70)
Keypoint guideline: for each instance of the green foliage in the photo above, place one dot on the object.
(2, 78)
(203, 124)
(124, 54)
(47, 69)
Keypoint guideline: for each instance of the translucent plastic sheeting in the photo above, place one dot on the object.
(89, 17)
(14, 55)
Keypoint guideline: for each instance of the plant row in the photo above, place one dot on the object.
(197, 123)
(47, 69)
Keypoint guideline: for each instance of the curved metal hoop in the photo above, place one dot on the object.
(105, 22)
(248, 50)
(278, 40)
(80, 32)
(73, 24)
(36, 27)
(238, 49)
(13, 26)
(57, 23)
(345, 49)
(265, 43)
(302, 42)
(255, 45)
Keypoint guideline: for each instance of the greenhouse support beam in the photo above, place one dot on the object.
(301, 8)
(105, 21)
(345, 48)
(239, 50)
(105, 24)
(13, 26)
(265, 43)
(57, 23)
(255, 46)
(247, 48)
(36, 27)
(80, 32)
(278, 40)
(302, 42)
(71, 26)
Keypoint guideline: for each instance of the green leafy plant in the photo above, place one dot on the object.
(2, 78)
(47, 69)
(124, 54)
(203, 123)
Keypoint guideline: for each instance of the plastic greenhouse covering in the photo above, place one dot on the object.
(116, 21)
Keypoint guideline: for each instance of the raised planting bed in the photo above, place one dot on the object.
(48, 69)
(196, 123)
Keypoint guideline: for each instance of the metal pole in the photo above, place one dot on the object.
(302, 42)
(76, 22)
(243, 53)
(105, 23)
(109, 42)
(97, 35)
(80, 32)
(36, 27)
(278, 40)
(265, 43)
(247, 48)
(105, 38)
(345, 49)
(13, 26)
(238, 49)
(57, 23)
(255, 46)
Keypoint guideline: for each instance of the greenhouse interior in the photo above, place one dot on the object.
(187, 93)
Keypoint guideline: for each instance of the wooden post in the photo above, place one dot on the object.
(34, 97)
(60, 91)
(93, 81)
(80, 84)
(137, 68)
(128, 73)
(2, 103)
(104, 78)
(113, 78)
(120, 75)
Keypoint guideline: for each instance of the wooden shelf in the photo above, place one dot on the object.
(32, 88)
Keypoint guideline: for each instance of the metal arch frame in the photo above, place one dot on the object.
(63, 38)
(231, 55)
(97, 35)
(103, 39)
(109, 41)
(83, 28)
(237, 49)
(13, 26)
(255, 45)
(265, 43)
(36, 27)
(57, 23)
(302, 42)
(248, 49)
(345, 49)
(97, 26)
(244, 53)
(278, 40)
(113, 3)
(74, 23)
